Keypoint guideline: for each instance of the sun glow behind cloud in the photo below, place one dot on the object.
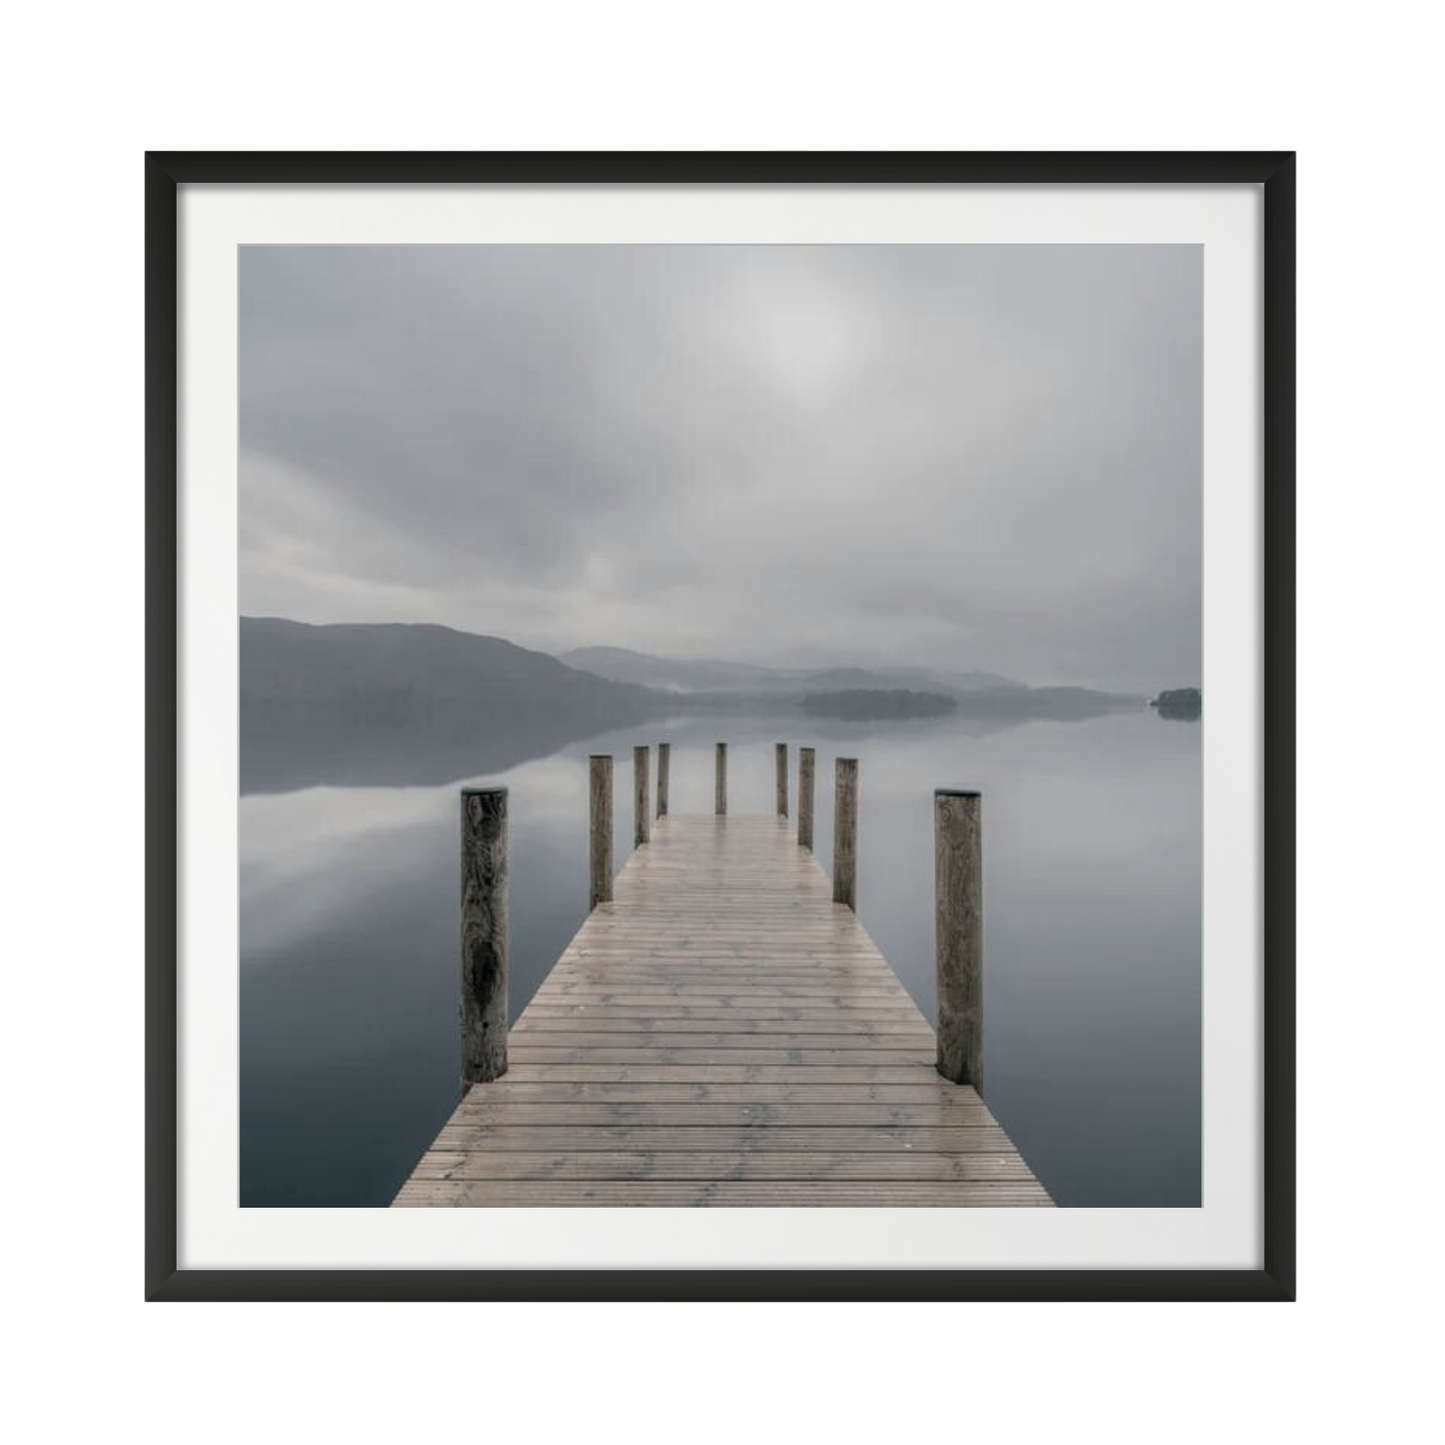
(969, 456)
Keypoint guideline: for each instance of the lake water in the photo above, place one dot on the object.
(1092, 875)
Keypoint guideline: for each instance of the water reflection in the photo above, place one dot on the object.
(1092, 877)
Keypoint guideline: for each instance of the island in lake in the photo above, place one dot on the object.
(1180, 704)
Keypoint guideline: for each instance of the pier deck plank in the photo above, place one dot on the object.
(722, 1034)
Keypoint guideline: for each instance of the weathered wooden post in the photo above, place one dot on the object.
(664, 758)
(600, 832)
(782, 751)
(845, 832)
(720, 785)
(641, 820)
(958, 883)
(484, 935)
(805, 798)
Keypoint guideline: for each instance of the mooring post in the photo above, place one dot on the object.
(958, 884)
(845, 832)
(782, 751)
(484, 935)
(600, 832)
(805, 798)
(664, 758)
(641, 820)
(720, 786)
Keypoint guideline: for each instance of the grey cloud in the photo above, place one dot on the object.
(973, 456)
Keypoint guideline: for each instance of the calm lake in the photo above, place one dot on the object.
(1092, 872)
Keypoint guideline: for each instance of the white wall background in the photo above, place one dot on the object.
(90, 87)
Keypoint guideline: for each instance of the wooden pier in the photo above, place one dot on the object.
(722, 1032)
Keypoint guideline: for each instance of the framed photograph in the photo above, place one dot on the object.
(721, 726)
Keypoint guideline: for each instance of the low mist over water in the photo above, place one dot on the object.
(504, 505)
(1092, 865)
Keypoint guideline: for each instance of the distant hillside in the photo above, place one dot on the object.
(748, 687)
(736, 678)
(907, 679)
(860, 704)
(396, 704)
(621, 664)
(1063, 704)
(408, 703)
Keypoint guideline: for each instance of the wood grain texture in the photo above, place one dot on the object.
(681, 1164)
(720, 1033)
(641, 802)
(484, 934)
(781, 751)
(664, 767)
(600, 829)
(845, 832)
(958, 889)
(723, 1193)
(720, 781)
(806, 757)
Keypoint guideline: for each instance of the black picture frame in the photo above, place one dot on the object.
(165, 172)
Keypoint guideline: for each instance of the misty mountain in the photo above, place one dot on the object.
(905, 679)
(399, 703)
(687, 675)
(1001, 704)
(395, 703)
(1061, 704)
(870, 704)
(622, 664)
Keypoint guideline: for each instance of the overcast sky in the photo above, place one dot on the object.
(971, 456)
